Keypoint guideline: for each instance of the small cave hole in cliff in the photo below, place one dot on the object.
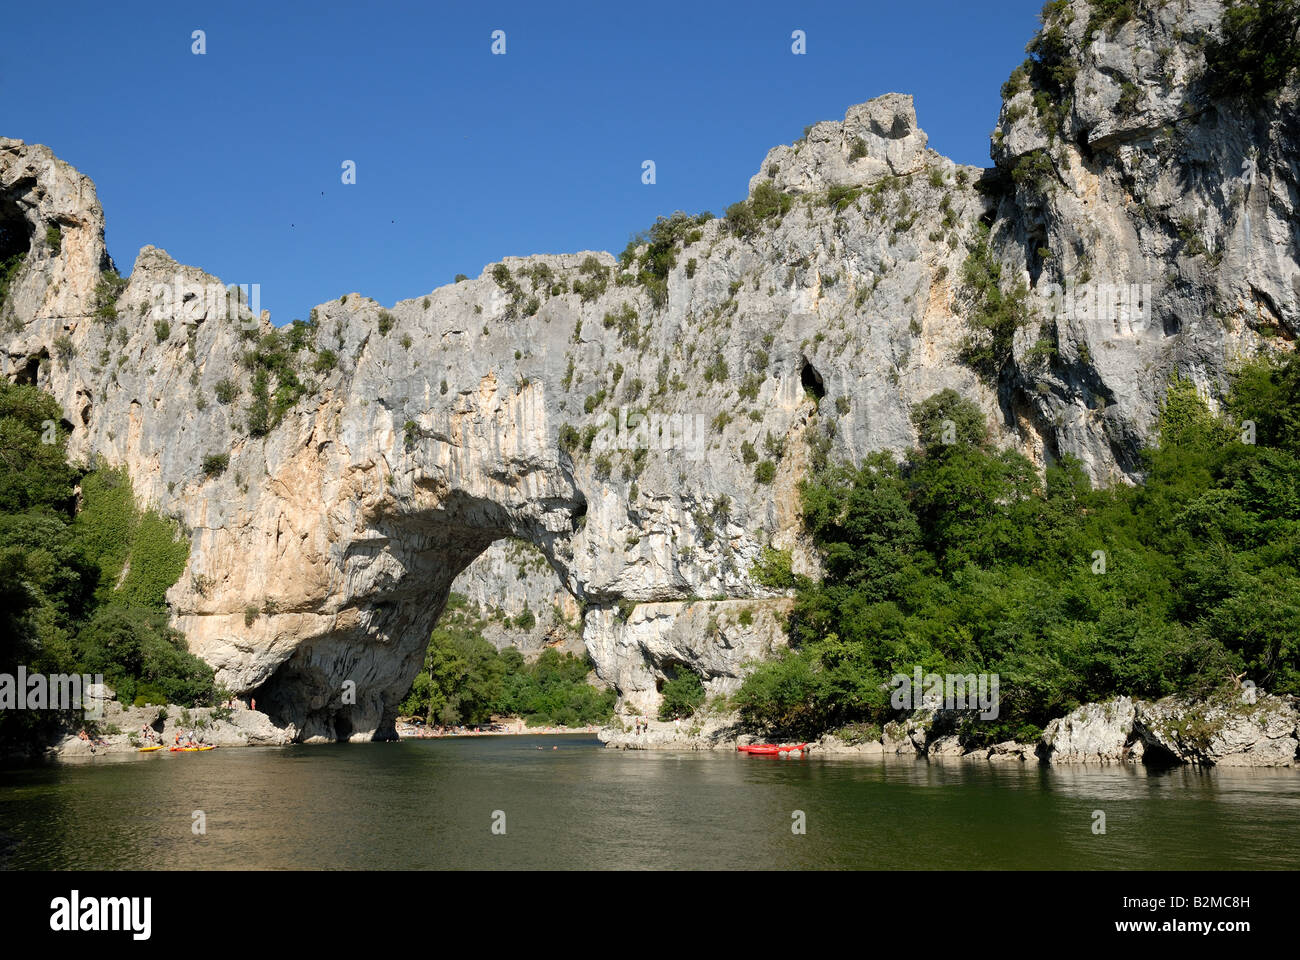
(15, 234)
(30, 373)
(812, 380)
(1160, 758)
(672, 669)
(15, 242)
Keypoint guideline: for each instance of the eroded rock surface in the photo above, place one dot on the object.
(522, 602)
(1094, 733)
(1223, 731)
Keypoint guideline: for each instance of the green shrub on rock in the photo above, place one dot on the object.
(682, 695)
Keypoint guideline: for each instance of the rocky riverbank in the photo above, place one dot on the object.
(121, 730)
(1223, 730)
(511, 727)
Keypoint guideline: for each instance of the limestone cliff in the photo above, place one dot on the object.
(336, 482)
(521, 600)
(1119, 168)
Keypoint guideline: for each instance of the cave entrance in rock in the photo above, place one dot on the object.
(15, 244)
(15, 234)
(812, 382)
(30, 372)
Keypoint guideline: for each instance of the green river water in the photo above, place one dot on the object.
(430, 804)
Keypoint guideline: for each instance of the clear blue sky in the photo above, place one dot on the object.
(231, 161)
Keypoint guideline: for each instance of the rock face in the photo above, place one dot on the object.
(332, 513)
(875, 140)
(1146, 185)
(1094, 733)
(1224, 730)
(702, 732)
(1221, 732)
(510, 583)
(657, 640)
(242, 728)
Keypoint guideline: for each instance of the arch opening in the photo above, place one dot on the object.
(347, 681)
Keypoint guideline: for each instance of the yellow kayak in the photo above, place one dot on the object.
(150, 749)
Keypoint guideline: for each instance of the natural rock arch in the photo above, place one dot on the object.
(309, 690)
(390, 533)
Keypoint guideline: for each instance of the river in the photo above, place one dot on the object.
(434, 804)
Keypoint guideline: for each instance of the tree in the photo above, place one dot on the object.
(34, 474)
(682, 695)
(1259, 49)
(133, 646)
(960, 559)
(948, 419)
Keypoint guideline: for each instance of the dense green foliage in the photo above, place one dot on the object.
(139, 555)
(1052, 66)
(141, 656)
(593, 280)
(83, 592)
(466, 681)
(961, 559)
(682, 695)
(108, 291)
(275, 361)
(33, 474)
(773, 569)
(1259, 51)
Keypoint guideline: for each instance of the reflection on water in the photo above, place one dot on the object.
(430, 804)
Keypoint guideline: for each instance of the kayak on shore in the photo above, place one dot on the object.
(771, 749)
(192, 749)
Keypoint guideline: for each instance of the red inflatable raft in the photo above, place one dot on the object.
(770, 749)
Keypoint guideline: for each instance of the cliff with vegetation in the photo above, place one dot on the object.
(335, 477)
